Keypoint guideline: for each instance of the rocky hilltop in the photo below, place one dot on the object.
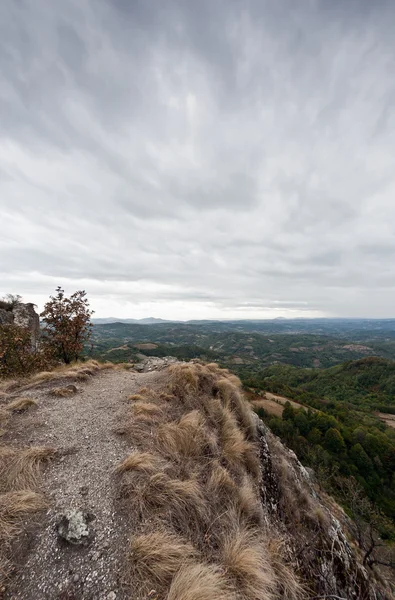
(162, 485)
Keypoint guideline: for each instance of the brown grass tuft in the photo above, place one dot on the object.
(78, 371)
(20, 468)
(20, 404)
(13, 506)
(183, 381)
(233, 398)
(160, 494)
(155, 557)
(235, 449)
(149, 408)
(248, 502)
(220, 484)
(200, 581)
(64, 392)
(245, 559)
(187, 437)
(140, 461)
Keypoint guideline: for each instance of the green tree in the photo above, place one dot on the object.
(302, 422)
(67, 325)
(361, 459)
(288, 412)
(334, 441)
(315, 436)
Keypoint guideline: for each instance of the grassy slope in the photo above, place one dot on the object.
(365, 383)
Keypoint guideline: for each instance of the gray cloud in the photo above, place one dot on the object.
(207, 159)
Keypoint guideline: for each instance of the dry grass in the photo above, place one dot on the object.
(288, 583)
(148, 408)
(160, 495)
(78, 371)
(183, 381)
(156, 557)
(4, 417)
(64, 392)
(220, 483)
(20, 467)
(246, 561)
(193, 484)
(248, 502)
(232, 398)
(236, 450)
(201, 581)
(19, 471)
(14, 506)
(20, 404)
(187, 437)
(140, 461)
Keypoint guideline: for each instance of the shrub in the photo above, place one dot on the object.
(67, 325)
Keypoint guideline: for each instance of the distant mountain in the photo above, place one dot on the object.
(146, 321)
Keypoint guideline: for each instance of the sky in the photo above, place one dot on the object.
(212, 159)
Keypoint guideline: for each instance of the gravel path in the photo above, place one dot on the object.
(81, 427)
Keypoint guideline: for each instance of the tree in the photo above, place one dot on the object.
(67, 324)
(315, 436)
(361, 459)
(334, 441)
(10, 301)
(288, 412)
(365, 524)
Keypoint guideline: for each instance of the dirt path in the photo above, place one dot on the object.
(81, 427)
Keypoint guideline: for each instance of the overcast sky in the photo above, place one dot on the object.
(208, 159)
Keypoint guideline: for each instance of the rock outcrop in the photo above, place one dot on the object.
(315, 528)
(23, 315)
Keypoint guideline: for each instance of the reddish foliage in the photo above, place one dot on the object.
(67, 325)
(16, 356)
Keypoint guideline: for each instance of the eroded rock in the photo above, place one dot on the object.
(73, 527)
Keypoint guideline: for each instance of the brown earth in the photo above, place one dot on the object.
(145, 346)
(274, 404)
(81, 427)
(388, 419)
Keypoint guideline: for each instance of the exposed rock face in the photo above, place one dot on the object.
(23, 315)
(314, 527)
(26, 316)
(6, 317)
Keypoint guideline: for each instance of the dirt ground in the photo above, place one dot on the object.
(81, 428)
(388, 419)
(274, 404)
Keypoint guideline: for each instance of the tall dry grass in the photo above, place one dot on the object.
(19, 474)
(78, 371)
(193, 484)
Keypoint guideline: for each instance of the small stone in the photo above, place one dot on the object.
(111, 596)
(76, 578)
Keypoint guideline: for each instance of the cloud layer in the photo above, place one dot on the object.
(199, 159)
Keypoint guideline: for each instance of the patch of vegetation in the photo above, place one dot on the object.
(248, 347)
(343, 438)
